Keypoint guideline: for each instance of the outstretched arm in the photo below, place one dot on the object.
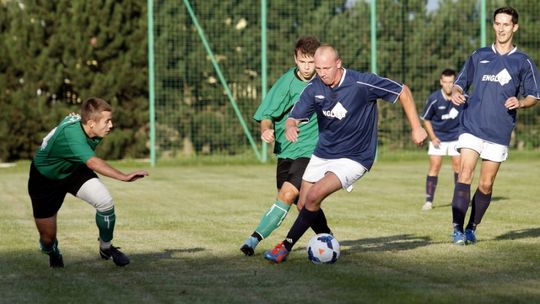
(418, 133)
(100, 166)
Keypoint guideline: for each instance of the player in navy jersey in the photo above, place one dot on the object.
(441, 121)
(345, 102)
(499, 74)
(292, 158)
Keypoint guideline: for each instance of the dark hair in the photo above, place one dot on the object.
(306, 45)
(448, 72)
(509, 11)
(92, 108)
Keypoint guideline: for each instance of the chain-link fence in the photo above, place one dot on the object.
(212, 69)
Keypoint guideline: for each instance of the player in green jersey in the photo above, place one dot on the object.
(292, 157)
(65, 163)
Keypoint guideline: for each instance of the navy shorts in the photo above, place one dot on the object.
(291, 170)
(47, 194)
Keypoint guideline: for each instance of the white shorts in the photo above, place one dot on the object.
(487, 150)
(445, 148)
(348, 171)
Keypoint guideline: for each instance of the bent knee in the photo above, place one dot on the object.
(96, 194)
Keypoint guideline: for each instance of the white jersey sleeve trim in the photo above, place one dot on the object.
(427, 109)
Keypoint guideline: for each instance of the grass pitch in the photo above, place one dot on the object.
(182, 228)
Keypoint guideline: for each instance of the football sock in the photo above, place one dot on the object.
(256, 235)
(456, 175)
(479, 205)
(272, 219)
(431, 185)
(304, 220)
(460, 203)
(49, 248)
(320, 224)
(105, 222)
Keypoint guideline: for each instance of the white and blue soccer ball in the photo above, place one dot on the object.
(323, 248)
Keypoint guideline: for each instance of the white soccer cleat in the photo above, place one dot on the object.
(427, 206)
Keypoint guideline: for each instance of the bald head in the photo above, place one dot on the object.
(328, 65)
(327, 50)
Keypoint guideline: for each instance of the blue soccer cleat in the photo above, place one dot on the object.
(278, 254)
(459, 238)
(248, 248)
(470, 237)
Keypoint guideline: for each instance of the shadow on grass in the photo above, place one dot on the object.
(493, 199)
(388, 243)
(520, 234)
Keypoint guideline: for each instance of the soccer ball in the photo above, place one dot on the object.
(323, 249)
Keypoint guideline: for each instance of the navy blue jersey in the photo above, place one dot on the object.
(494, 78)
(346, 114)
(444, 116)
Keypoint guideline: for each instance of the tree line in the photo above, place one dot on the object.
(57, 53)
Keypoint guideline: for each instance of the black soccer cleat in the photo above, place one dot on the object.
(118, 257)
(56, 260)
(247, 250)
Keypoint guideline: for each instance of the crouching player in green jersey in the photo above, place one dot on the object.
(65, 163)
(292, 157)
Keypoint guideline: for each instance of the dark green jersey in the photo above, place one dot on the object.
(64, 149)
(276, 107)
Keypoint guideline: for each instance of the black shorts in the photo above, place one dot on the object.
(47, 194)
(291, 170)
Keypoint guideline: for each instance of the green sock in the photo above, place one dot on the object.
(272, 218)
(105, 222)
(52, 249)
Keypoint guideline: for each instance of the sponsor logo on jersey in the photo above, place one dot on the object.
(484, 61)
(338, 111)
(321, 97)
(503, 77)
(451, 115)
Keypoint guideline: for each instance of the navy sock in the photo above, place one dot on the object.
(460, 203)
(320, 225)
(479, 205)
(304, 220)
(431, 185)
(456, 175)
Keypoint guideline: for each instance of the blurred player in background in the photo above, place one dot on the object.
(65, 163)
(345, 102)
(441, 121)
(292, 157)
(499, 75)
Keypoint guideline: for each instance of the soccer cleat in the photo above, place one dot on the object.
(248, 248)
(278, 254)
(119, 258)
(427, 206)
(470, 237)
(56, 260)
(459, 238)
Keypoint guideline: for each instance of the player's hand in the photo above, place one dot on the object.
(436, 142)
(133, 176)
(458, 98)
(512, 103)
(291, 133)
(419, 135)
(268, 136)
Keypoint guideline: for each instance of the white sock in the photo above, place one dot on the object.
(104, 245)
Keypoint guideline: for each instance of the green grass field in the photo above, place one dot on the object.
(182, 228)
